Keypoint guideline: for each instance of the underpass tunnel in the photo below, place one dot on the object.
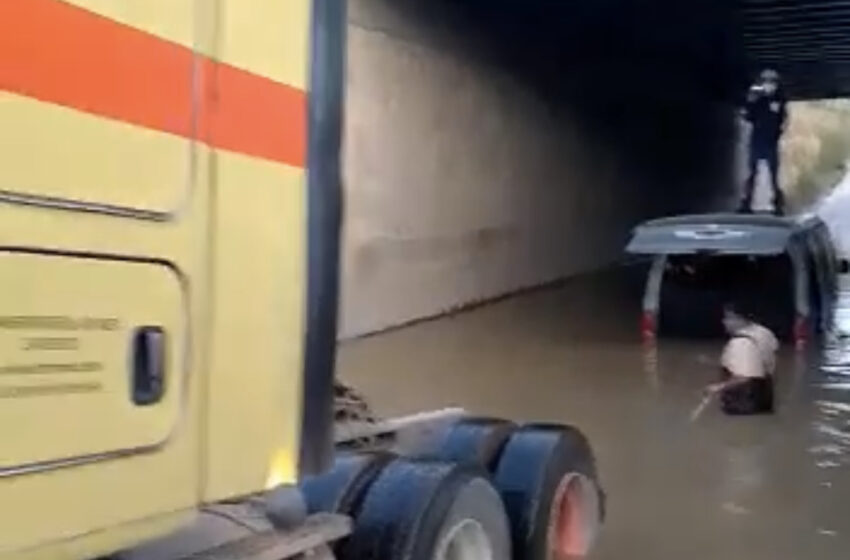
(494, 146)
(497, 145)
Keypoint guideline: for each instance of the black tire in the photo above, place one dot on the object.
(342, 488)
(542, 468)
(414, 507)
(476, 441)
(591, 470)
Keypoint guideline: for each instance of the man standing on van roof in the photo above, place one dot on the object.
(767, 113)
(748, 364)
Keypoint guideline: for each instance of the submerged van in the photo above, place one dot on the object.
(784, 268)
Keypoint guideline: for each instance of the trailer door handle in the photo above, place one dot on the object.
(148, 365)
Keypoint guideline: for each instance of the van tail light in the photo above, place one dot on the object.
(801, 331)
(648, 325)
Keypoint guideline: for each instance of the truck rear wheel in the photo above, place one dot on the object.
(547, 478)
(343, 487)
(477, 441)
(429, 511)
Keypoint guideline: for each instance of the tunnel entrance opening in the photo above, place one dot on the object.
(496, 146)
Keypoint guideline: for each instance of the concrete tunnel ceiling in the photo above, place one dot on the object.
(807, 41)
(723, 42)
(625, 45)
(631, 73)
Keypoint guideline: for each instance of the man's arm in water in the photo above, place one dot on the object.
(733, 381)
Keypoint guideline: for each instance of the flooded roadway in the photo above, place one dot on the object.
(760, 488)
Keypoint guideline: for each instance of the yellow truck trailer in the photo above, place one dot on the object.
(170, 205)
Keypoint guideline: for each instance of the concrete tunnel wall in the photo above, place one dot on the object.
(484, 156)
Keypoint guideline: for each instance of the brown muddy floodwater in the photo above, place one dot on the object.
(762, 488)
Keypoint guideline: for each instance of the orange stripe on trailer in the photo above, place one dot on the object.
(63, 54)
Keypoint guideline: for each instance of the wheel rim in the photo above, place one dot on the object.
(465, 541)
(574, 520)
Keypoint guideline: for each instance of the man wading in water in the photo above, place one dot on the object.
(748, 364)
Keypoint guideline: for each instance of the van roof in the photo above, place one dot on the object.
(743, 234)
